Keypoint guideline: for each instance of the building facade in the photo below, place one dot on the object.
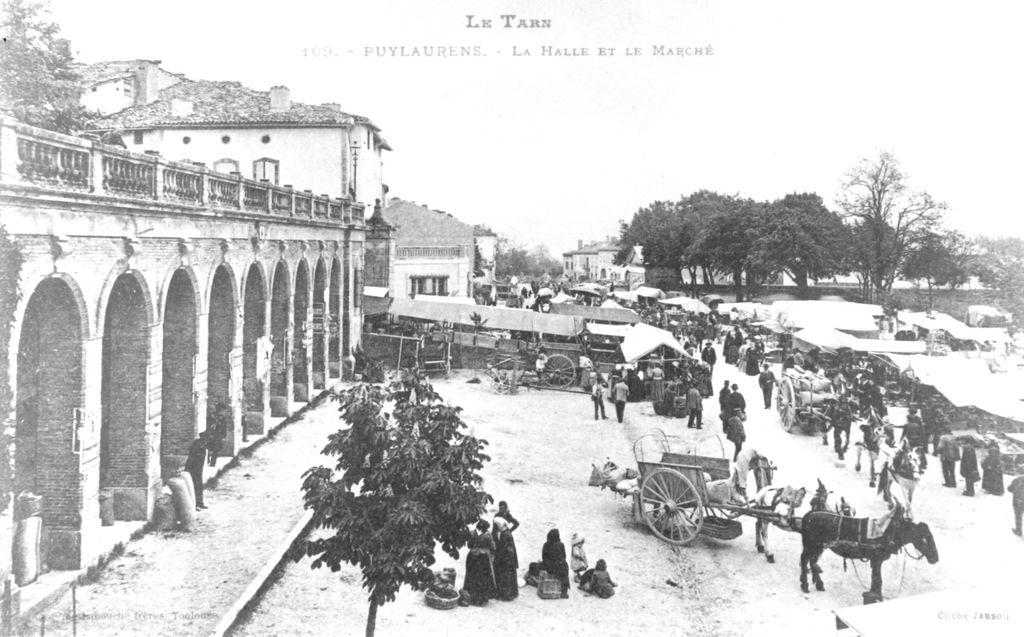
(433, 255)
(591, 261)
(157, 298)
(260, 135)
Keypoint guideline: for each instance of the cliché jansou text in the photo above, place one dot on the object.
(541, 51)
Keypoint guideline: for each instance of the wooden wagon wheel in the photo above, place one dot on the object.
(559, 371)
(671, 506)
(787, 404)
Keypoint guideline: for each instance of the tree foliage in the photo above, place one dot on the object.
(803, 238)
(406, 478)
(939, 258)
(888, 219)
(38, 83)
(516, 259)
(11, 260)
(1000, 264)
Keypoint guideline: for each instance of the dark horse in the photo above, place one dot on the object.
(847, 537)
(838, 416)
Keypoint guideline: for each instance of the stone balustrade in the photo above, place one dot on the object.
(39, 158)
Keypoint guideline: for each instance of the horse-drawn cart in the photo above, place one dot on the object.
(510, 370)
(801, 402)
(673, 497)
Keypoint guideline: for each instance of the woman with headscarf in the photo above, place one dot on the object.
(992, 470)
(479, 584)
(552, 560)
(506, 563)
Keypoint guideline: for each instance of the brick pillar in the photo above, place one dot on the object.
(348, 360)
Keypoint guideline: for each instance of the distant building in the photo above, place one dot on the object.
(433, 253)
(596, 261)
(487, 245)
(234, 129)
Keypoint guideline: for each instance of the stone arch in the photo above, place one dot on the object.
(254, 328)
(180, 335)
(280, 306)
(300, 358)
(48, 387)
(232, 280)
(319, 312)
(222, 313)
(124, 443)
(334, 325)
(177, 271)
(108, 286)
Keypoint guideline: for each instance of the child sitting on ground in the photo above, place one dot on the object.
(578, 562)
(598, 581)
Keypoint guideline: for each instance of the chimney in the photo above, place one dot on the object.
(147, 82)
(181, 108)
(280, 99)
(579, 244)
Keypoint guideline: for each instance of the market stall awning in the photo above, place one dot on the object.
(610, 303)
(624, 295)
(375, 291)
(453, 300)
(711, 298)
(687, 304)
(968, 382)
(602, 329)
(824, 337)
(747, 310)
(642, 339)
(494, 317)
(561, 297)
(589, 288)
(840, 315)
(607, 314)
(649, 292)
(375, 305)
(937, 321)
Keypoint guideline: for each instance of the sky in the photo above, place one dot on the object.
(552, 149)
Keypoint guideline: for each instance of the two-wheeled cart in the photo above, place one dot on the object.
(673, 498)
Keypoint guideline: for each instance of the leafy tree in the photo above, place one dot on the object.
(406, 478)
(803, 238)
(939, 258)
(1001, 265)
(516, 259)
(888, 219)
(11, 260)
(658, 228)
(727, 240)
(38, 84)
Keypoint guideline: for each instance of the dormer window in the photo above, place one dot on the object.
(137, 137)
(267, 168)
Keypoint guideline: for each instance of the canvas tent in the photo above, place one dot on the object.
(642, 339)
(686, 303)
(840, 315)
(649, 292)
(605, 314)
(939, 321)
(747, 310)
(831, 339)
(496, 318)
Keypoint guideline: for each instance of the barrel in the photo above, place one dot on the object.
(184, 505)
(25, 556)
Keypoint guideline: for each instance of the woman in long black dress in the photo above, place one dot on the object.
(552, 560)
(506, 562)
(992, 471)
(479, 584)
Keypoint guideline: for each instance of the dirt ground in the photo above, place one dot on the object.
(542, 446)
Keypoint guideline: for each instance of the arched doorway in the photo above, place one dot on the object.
(49, 394)
(254, 327)
(319, 362)
(334, 327)
(220, 414)
(124, 446)
(279, 338)
(300, 361)
(177, 412)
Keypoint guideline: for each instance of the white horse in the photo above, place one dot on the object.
(781, 502)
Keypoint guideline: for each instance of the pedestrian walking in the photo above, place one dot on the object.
(597, 396)
(709, 356)
(737, 401)
(695, 405)
(194, 464)
(767, 382)
(992, 470)
(969, 468)
(737, 434)
(506, 561)
(949, 455)
(620, 393)
(723, 406)
(1017, 489)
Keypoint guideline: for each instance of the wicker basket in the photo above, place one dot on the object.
(721, 528)
(440, 603)
(548, 587)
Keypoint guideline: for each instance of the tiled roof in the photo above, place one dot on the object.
(93, 74)
(225, 104)
(594, 248)
(420, 226)
(480, 230)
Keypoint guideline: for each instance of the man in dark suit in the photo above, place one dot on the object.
(194, 466)
(709, 356)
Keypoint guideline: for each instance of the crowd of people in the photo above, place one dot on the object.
(492, 565)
